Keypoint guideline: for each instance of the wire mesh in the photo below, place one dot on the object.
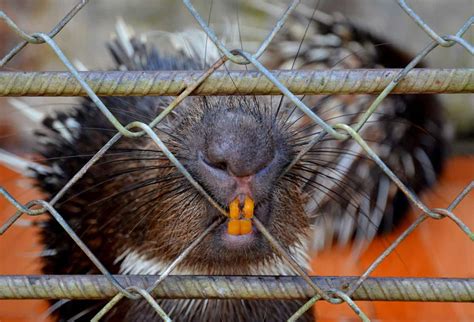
(183, 84)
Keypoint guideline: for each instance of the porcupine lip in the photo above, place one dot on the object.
(237, 241)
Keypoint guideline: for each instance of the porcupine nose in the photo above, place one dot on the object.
(242, 150)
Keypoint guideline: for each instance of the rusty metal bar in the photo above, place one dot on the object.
(232, 287)
(140, 83)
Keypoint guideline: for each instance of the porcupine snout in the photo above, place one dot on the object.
(238, 153)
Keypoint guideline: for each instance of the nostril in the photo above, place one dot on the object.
(219, 165)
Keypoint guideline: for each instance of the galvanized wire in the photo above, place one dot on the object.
(220, 45)
(212, 82)
(45, 206)
(31, 39)
(405, 234)
(344, 297)
(446, 41)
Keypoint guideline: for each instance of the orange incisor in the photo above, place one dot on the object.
(240, 222)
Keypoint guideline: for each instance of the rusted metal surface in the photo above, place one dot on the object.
(140, 83)
(236, 287)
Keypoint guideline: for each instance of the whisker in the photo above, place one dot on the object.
(111, 177)
(137, 186)
(336, 197)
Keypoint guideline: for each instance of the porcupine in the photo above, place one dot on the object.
(137, 212)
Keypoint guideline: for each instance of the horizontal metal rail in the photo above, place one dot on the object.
(233, 287)
(299, 82)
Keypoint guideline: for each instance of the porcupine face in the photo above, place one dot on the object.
(236, 149)
(136, 209)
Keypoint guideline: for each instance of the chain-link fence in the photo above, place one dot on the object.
(214, 82)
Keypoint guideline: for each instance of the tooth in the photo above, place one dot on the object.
(237, 226)
(234, 209)
(245, 226)
(248, 207)
(233, 227)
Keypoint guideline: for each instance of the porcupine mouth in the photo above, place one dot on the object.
(243, 241)
(232, 254)
(237, 241)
